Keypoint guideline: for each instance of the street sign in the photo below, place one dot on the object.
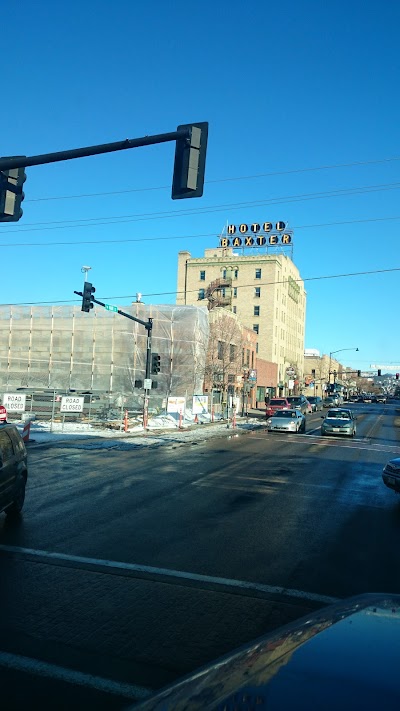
(147, 384)
(110, 307)
(72, 404)
(176, 404)
(14, 402)
(3, 414)
(200, 404)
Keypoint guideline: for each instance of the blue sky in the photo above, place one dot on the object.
(284, 87)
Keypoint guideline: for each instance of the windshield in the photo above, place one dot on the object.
(339, 415)
(285, 414)
(278, 402)
(295, 400)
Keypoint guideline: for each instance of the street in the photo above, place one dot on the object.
(134, 566)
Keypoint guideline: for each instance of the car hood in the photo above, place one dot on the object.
(345, 656)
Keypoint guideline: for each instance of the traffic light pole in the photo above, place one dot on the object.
(149, 327)
(26, 161)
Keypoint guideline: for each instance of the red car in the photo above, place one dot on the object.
(277, 403)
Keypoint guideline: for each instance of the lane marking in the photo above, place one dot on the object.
(339, 443)
(58, 673)
(170, 573)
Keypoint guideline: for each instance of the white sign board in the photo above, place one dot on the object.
(291, 384)
(14, 402)
(176, 404)
(71, 404)
(200, 404)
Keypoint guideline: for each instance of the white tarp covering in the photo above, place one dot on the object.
(61, 348)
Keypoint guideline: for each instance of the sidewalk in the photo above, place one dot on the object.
(82, 436)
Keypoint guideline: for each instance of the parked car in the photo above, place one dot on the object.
(391, 474)
(316, 402)
(287, 420)
(298, 402)
(381, 399)
(339, 421)
(277, 403)
(13, 470)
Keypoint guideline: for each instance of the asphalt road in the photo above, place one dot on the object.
(132, 567)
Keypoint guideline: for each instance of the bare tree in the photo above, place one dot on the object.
(224, 360)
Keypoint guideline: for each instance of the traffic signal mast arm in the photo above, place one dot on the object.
(147, 324)
(353, 372)
(26, 161)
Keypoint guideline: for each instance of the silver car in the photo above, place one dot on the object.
(339, 421)
(287, 421)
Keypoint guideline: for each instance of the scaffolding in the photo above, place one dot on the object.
(60, 348)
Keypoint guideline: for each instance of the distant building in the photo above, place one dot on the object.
(264, 290)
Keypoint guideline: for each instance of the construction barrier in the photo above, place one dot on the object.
(26, 431)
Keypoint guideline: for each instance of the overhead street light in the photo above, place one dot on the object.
(330, 359)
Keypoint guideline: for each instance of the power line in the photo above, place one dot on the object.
(186, 237)
(95, 221)
(192, 291)
(224, 180)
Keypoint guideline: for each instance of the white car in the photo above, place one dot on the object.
(287, 421)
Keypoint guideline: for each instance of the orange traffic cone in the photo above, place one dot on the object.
(196, 420)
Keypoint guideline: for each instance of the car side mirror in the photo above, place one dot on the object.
(322, 417)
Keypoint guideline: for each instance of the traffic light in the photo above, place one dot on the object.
(358, 373)
(190, 162)
(11, 193)
(87, 296)
(379, 372)
(155, 363)
(397, 376)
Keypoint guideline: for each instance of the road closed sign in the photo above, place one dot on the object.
(14, 402)
(71, 404)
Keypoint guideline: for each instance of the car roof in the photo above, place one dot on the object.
(339, 409)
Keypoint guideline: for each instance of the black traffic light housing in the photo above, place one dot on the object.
(379, 372)
(155, 363)
(190, 162)
(11, 193)
(359, 373)
(397, 376)
(87, 296)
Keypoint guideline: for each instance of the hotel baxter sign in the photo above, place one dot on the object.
(256, 235)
